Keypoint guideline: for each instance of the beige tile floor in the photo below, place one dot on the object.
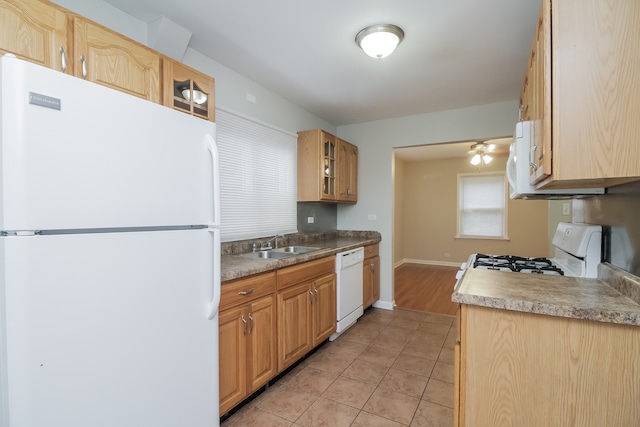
(392, 368)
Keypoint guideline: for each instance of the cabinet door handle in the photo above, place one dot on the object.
(63, 59)
(251, 319)
(244, 331)
(532, 162)
(311, 296)
(316, 289)
(84, 66)
(250, 291)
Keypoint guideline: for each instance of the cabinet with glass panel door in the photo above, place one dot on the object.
(327, 168)
(187, 90)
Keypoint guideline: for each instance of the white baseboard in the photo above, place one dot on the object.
(426, 262)
(386, 305)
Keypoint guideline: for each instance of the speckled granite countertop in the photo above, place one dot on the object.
(614, 297)
(234, 265)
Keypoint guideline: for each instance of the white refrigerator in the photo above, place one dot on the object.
(109, 257)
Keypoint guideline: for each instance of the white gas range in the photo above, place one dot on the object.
(578, 251)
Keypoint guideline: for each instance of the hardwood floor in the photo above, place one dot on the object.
(425, 287)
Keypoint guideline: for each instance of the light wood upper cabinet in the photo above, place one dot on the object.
(105, 57)
(327, 168)
(35, 31)
(524, 369)
(583, 93)
(200, 90)
(347, 171)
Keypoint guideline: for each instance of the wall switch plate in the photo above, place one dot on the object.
(372, 217)
(310, 220)
(566, 208)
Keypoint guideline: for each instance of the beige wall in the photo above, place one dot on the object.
(398, 210)
(428, 216)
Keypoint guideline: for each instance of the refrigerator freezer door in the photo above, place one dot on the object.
(109, 329)
(79, 155)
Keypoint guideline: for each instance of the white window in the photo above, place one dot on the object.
(257, 178)
(482, 207)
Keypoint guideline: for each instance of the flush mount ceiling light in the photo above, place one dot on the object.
(199, 97)
(379, 40)
(480, 152)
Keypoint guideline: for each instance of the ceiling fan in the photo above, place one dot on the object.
(480, 151)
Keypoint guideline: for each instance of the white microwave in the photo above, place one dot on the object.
(518, 170)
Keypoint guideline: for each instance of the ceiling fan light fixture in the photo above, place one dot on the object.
(480, 156)
(380, 40)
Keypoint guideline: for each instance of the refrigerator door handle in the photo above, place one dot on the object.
(212, 307)
(215, 178)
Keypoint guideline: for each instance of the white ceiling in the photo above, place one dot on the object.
(449, 150)
(456, 53)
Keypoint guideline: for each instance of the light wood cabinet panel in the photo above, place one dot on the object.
(527, 369)
(347, 173)
(107, 58)
(262, 351)
(306, 308)
(324, 307)
(306, 271)
(583, 94)
(35, 31)
(232, 356)
(247, 342)
(294, 324)
(327, 168)
(177, 77)
(371, 275)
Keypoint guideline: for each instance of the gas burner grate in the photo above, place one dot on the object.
(519, 264)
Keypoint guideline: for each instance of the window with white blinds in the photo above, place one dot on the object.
(257, 178)
(482, 208)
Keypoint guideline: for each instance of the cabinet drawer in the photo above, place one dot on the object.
(301, 272)
(247, 289)
(371, 251)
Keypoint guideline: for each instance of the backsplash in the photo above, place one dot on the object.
(619, 211)
(325, 217)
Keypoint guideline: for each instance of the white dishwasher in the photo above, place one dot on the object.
(349, 289)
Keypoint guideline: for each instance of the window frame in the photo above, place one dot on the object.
(459, 202)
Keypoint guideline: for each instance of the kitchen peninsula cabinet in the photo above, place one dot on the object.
(327, 168)
(247, 337)
(306, 308)
(371, 275)
(523, 369)
(178, 78)
(35, 31)
(582, 93)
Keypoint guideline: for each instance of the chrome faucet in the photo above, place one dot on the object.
(267, 246)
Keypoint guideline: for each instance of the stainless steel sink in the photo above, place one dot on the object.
(269, 255)
(285, 252)
(298, 249)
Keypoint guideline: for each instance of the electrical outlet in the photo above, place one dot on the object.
(310, 220)
(447, 255)
(372, 217)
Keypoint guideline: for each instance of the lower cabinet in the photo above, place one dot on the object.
(523, 369)
(247, 338)
(306, 308)
(370, 275)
